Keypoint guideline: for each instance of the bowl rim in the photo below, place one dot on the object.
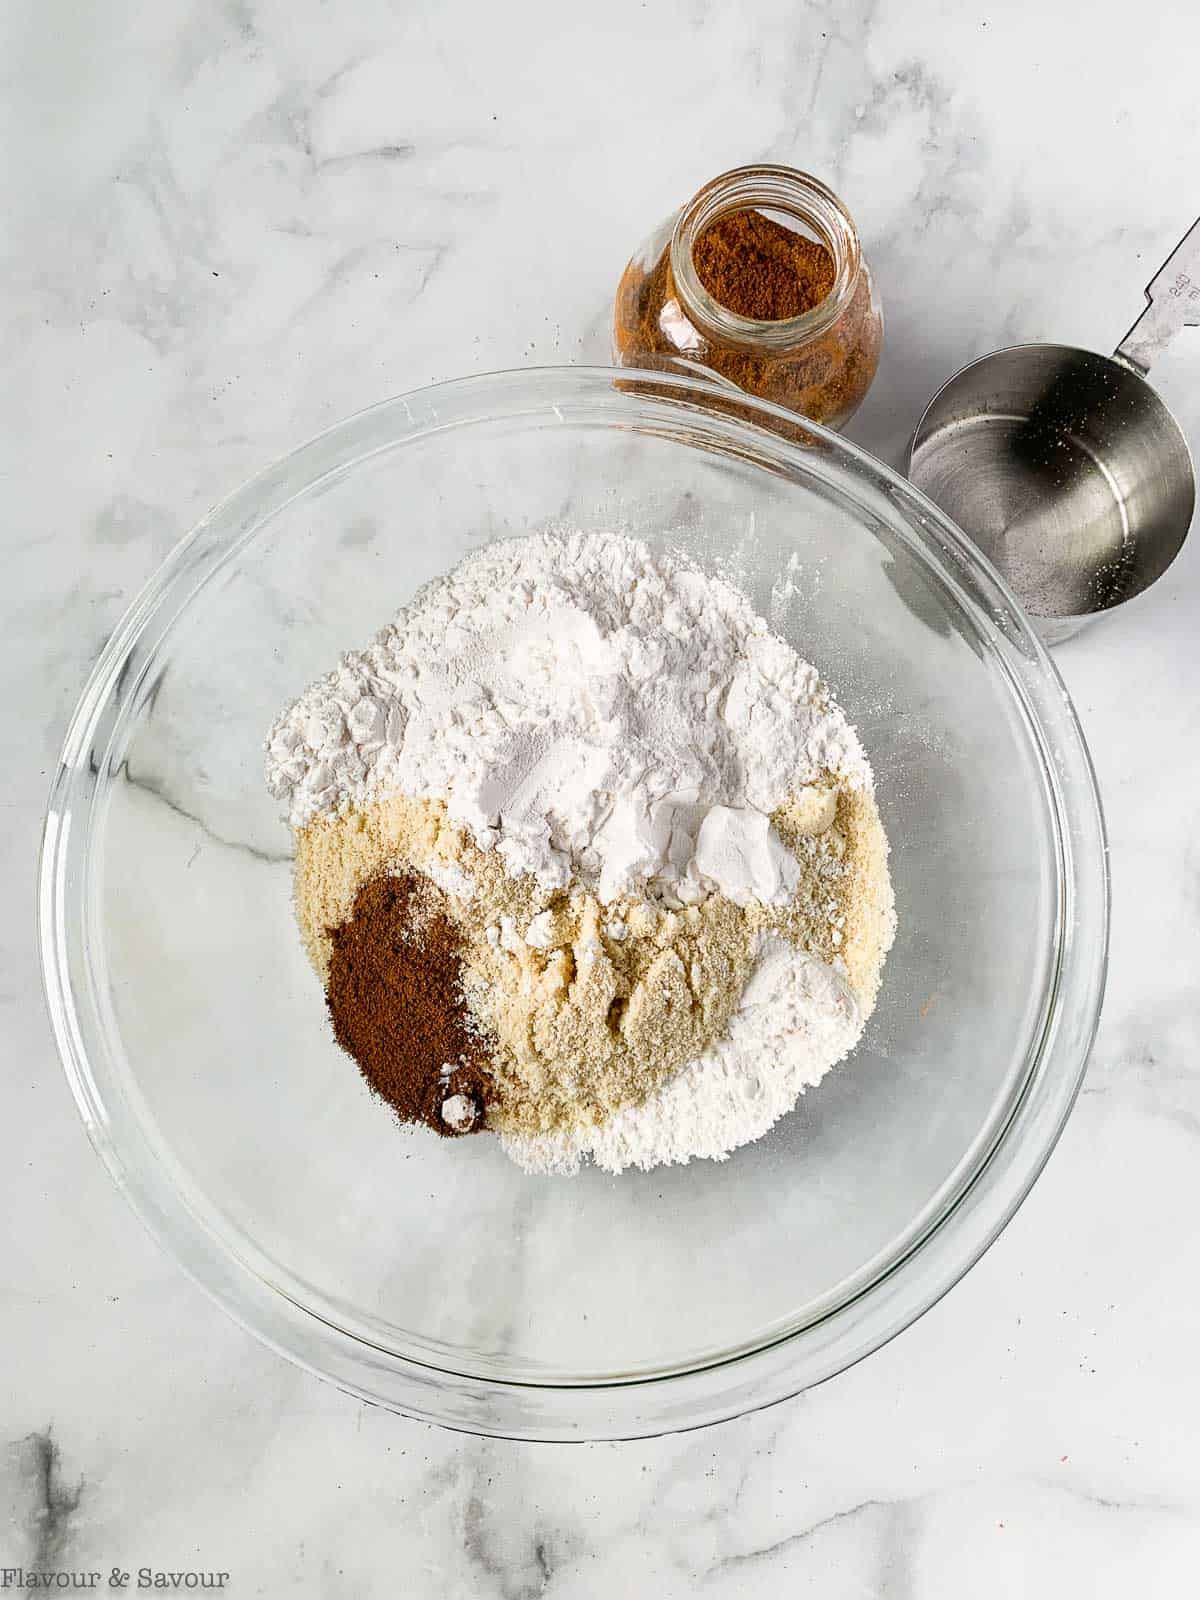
(638, 1406)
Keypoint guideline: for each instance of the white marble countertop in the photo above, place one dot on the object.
(227, 226)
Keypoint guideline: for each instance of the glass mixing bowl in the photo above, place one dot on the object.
(433, 1276)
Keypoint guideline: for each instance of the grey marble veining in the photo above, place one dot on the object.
(226, 227)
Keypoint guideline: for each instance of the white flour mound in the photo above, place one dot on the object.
(594, 710)
(797, 1018)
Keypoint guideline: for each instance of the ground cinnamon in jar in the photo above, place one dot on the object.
(759, 269)
(776, 313)
(395, 999)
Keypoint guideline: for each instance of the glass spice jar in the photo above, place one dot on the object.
(819, 363)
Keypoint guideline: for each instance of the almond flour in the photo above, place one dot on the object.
(591, 1008)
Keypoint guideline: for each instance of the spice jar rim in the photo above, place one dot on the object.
(797, 195)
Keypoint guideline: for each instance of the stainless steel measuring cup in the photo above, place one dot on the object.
(1064, 466)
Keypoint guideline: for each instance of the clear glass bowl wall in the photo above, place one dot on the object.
(434, 1276)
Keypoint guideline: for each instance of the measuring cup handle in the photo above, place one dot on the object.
(1174, 302)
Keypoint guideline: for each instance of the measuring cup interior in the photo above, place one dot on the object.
(1066, 468)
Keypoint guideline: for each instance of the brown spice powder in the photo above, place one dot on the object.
(395, 1000)
(757, 268)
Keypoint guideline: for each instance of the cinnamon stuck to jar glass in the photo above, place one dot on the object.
(783, 309)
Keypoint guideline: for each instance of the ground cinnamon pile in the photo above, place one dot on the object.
(757, 268)
(395, 999)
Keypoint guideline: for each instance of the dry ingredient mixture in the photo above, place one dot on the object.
(758, 269)
(585, 856)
